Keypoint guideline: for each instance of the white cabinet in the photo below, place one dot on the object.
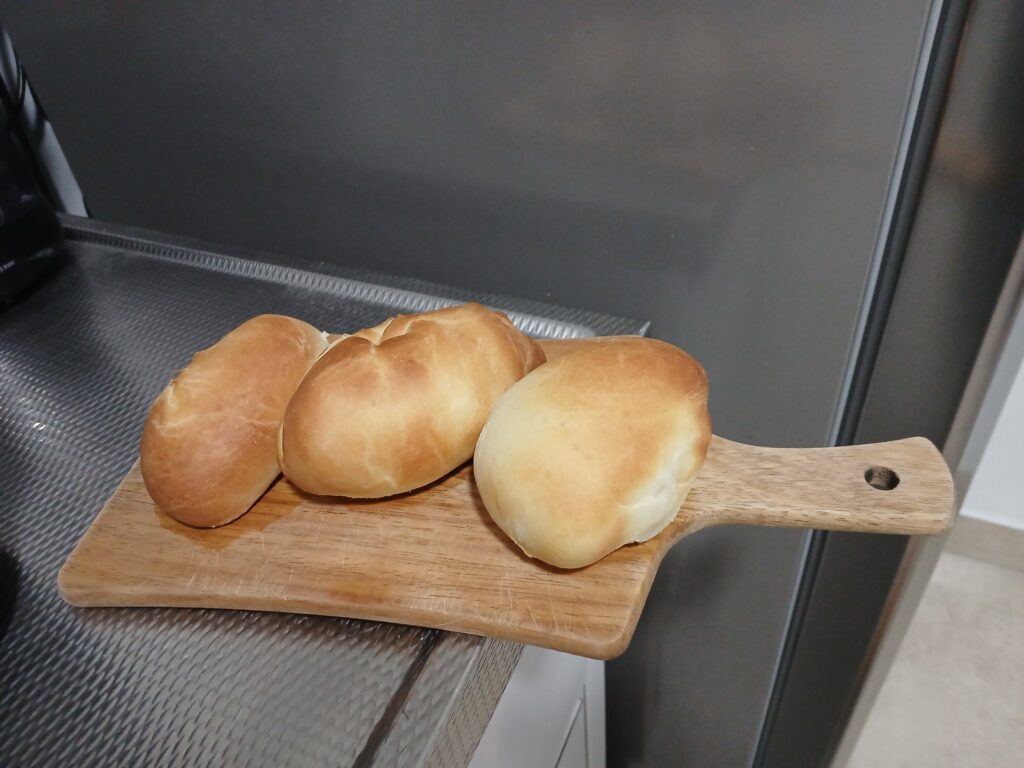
(550, 716)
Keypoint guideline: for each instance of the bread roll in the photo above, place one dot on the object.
(595, 449)
(395, 407)
(209, 447)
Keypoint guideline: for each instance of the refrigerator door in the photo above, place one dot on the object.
(724, 170)
(941, 323)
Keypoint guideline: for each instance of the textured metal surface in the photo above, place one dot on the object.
(81, 358)
(446, 719)
(424, 713)
(469, 713)
(410, 294)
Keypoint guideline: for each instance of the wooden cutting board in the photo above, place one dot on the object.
(434, 558)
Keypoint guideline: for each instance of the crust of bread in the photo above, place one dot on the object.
(395, 407)
(595, 449)
(208, 449)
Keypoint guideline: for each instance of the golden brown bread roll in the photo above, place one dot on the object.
(209, 447)
(595, 449)
(395, 407)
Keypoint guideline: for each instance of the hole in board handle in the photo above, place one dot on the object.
(881, 478)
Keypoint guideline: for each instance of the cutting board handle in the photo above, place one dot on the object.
(902, 486)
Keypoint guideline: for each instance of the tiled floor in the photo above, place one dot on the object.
(954, 697)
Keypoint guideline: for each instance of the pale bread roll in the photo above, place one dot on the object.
(595, 449)
(395, 407)
(209, 447)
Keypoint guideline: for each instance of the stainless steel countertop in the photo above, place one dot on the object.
(81, 358)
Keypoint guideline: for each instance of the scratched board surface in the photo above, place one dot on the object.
(430, 558)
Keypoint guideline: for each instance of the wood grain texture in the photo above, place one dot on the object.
(434, 558)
